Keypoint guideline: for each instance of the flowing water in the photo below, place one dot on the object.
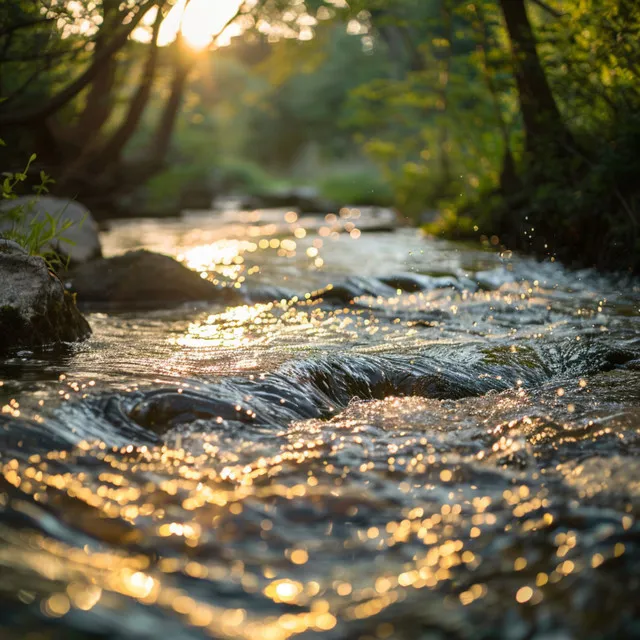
(387, 437)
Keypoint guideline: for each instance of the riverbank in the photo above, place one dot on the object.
(582, 209)
(604, 237)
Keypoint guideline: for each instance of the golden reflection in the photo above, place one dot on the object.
(224, 258)
(209, 494)
(258, 325)
(298, 519)
(237, 327)
(84, 596)
(283, 590)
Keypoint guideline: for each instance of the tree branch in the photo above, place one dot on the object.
(48, 56)
(100, 100)
(550, 10)
(74, 88)
(24, 25)
(146, 168)
(112, 149)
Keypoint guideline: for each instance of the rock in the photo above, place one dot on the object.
(142, 279)
(305, 200)
(84, 242)
(493, 278)
(412, 282)
(9, 246)
(268, 293)
(233, 203)
(376, 218)
(352, 288)
(35, 310)
(197, 197)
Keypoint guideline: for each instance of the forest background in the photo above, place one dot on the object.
(511, 122)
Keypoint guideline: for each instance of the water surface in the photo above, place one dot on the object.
(388, 437)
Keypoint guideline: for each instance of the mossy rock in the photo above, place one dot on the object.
(35, 310)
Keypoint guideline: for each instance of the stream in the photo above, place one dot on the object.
(389, 437)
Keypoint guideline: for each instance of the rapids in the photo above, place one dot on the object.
(389, 437)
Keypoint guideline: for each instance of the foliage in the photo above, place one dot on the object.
(78, 78)
(39, 235)
(300, 97)
(558, 183)
(242, 177)
(505, 115)
(357, 187)
(576, 199)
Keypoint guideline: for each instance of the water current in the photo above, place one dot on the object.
(387, 437)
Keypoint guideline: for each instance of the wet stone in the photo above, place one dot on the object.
(141, 279)
(35, 310)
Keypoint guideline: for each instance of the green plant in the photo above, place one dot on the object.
(40, 234)
(242, 176)
(357, 187)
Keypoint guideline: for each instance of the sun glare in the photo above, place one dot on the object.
(200, 21)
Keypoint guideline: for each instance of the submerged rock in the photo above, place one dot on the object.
(387, 287)
(81, 243)
(35, 310)
(315, 388)
(142, 279)
(268, 293)
(493, 278)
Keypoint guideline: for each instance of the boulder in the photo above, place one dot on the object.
(84, 242)
(35, 310)
(142, 279)
(493, 278)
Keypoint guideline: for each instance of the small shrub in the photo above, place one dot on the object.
(38, 237)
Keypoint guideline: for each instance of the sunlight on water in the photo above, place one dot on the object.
(224, 258)
(409, 439)
(236, 327)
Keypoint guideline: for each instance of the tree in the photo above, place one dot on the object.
(545, 130)
(81, 127)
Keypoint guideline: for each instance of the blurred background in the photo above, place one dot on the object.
(475, 118)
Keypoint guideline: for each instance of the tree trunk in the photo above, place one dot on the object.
(509, 180)
(443, 92)
(98, 187)
(100, 97)
(114, 147)
(166, 125)
(66, 95)
(545, 129)
(103, 155)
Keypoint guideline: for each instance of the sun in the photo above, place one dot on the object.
(199, 22)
